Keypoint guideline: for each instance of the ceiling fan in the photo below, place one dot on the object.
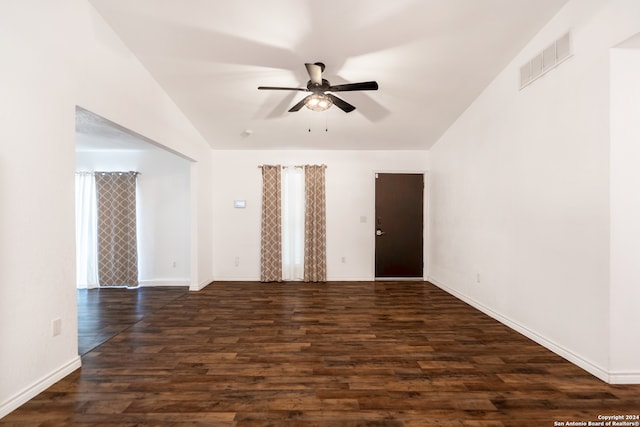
(321, 97)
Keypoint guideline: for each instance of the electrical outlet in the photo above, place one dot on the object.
(56, 327)
(478, 277)
(174, 264)
(344, 260)
(236, 262)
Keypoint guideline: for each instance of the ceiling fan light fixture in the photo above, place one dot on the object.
(318, 102)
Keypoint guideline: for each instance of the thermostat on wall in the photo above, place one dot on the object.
(239, 203)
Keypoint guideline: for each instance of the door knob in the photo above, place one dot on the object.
(379, 232)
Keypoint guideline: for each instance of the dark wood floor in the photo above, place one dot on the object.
(338, 354)
(104, 312)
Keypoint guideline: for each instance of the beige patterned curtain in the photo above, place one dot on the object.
(117, 242)
(271, 237)
(315, 234)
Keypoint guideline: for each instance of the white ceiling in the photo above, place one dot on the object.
(431, 58)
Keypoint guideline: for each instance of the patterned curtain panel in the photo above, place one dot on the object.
(315, 236)
(117, 244)
(271, 237)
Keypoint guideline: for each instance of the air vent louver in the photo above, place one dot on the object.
(546, 60)
(536, 66)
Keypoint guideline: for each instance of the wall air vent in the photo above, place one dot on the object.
(546, 60)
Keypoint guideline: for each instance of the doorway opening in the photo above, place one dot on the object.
(163, 214)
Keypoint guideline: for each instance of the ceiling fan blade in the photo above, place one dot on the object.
(299, 105)
(315, 73)
(340, 103)
(282, 88)
(354, 86)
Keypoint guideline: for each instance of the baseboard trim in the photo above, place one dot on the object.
(159, 283)
(39, 386)
(624, 378)
(329, 279)
(235, 279)
(577, 360)
(194, 287)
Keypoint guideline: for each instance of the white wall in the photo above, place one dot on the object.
(55, 56)
(163, 196)
(520, 193)
(625, 210)
(350, 196)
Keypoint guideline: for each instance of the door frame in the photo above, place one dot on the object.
(425, 221)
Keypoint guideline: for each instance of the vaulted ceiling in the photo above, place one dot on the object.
(431, 59)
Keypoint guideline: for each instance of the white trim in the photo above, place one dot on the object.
(624, 378)
(194, 287)
(236, 279)
(426, 236)
(576, 359)
(39, 386)
(168, 282)
(329, 279)
(427, 225)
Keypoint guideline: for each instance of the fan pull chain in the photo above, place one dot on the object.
(326, 125)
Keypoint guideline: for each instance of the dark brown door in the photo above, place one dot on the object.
(399, 225)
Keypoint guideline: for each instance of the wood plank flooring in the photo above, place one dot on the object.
(104, 312)
(336, 354)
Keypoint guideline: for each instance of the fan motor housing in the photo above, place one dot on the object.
(318, 88)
